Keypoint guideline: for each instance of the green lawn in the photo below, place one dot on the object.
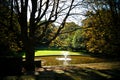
(55, 53)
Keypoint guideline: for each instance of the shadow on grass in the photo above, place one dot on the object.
(76, 73)
(92, 74)
(46, 75)
(70, 73)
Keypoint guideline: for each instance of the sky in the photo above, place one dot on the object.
(77, 13)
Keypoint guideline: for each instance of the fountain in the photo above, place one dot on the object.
(65, 59)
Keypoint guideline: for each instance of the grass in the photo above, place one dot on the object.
(54, 53)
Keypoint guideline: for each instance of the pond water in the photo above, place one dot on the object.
(65, 58)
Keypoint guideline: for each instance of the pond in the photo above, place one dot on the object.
(57, 57)
(52, 60)
(65, 58)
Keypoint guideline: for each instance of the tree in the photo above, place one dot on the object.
(102, 31)
(78, 40)
(66, 35)
(35, 11)
(96, 32)
(8, 35)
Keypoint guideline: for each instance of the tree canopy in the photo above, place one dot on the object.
(102, 27)
(66, 35)
(9, 35)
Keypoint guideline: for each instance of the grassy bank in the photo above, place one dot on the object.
(55, 53)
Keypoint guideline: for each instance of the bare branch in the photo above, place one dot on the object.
(46, 8)
(17, 6)
(63, 22)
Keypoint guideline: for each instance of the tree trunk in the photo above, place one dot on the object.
(29, 53)
(30, 58)
(28, 46)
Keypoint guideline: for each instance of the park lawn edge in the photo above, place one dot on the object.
(54, 53)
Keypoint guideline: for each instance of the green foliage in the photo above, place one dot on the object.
(64, 40)
(101, 33)
(48, 34)
(9, 32)
(78, 40)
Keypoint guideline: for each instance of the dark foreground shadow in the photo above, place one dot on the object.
(69, 73)
(92, 74)
(52, 75)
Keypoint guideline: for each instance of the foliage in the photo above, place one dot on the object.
(8, 32)
(102, 26)
(41, 42)
(100, 33)
(78, 40)
(64, 40)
